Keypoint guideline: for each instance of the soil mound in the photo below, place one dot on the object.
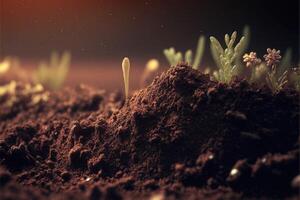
(184, 136)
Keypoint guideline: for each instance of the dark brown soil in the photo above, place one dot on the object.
(182, 137)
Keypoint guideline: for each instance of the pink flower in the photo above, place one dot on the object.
(272, 57)
(251, 59)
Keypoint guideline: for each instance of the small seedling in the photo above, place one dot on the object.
(150, 69)
(256, 66)
(239, 58)
(259, 73)
(274, 80)
(275, 73)
(53, 74)
(126, 70)
(199, 52)
(225, 58)
(286, 62)
(174, 57)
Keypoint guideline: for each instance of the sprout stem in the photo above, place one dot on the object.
(126, 69)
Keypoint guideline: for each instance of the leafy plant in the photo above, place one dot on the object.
(126, 70)
(53, 74)
(259, 72)
(286, 62)
(274, 83)
(275, 80)
(274, 71)
(174, 57)
(225, 58)
(258, 69)
(239, 60)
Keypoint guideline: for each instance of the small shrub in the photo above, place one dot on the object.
(275, 71)
(225, 58)
(274, 80)
(258, 69)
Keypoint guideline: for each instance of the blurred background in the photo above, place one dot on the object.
(99, 33)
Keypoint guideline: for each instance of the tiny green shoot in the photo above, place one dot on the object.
(199, 52)
(174, 57)
(126, 70)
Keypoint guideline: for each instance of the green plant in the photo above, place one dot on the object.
(126, 70)
(275, 72)
(275, 80)
(239, 60)
(174, 57)
(225, 58)
(53, 74)
(286, 62)
(258, 69)
(259, 72)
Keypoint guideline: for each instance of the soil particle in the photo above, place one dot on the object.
(66, 176)
(95, 193)
(5, 177)
(95, 164)
(78, 156)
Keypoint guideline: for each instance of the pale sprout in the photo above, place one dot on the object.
(126, 70)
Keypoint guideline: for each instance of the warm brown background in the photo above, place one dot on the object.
(112, 29)
(104, 31)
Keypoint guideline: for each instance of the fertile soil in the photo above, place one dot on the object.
(182, 137)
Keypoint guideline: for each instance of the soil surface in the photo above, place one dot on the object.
(182, 137)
